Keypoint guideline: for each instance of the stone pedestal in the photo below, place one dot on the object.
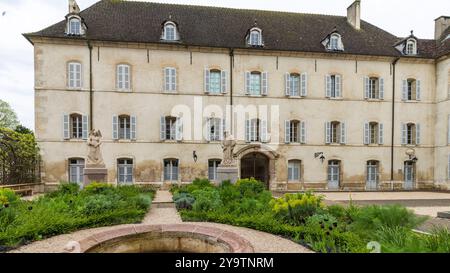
(95, 175)
(445, 214)
(230, 173)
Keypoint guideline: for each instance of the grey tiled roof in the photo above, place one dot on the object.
(226, 28)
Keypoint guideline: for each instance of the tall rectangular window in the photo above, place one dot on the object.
(125, 171)
(255, 83)
(76, 171)
(215, 82)
(171, 169)
(170, 79)
(124, 127)
(77, 126)
(212, 169)
(294, 171)
(373, 88)
(123, 77)
(74, 75)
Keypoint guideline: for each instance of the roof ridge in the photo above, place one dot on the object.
(221, 7)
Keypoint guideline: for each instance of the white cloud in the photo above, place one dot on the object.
(16, 54)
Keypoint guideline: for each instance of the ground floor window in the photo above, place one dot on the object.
(294, 170)
(212, 169)
(334, 170)
(125, 171)
(372, 174)
(410, 178)
(171, 169)
(76, 170)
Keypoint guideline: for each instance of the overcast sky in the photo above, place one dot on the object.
(21, 16)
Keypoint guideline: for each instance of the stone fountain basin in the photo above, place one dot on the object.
(174, 238)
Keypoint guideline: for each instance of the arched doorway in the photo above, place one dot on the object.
(255, 165)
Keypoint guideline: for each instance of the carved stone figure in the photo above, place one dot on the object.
(228, 145)
(95, 157)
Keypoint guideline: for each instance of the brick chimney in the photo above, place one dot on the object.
(354, 14)
(440, 25)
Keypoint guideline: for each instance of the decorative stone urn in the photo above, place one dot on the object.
(95, 167)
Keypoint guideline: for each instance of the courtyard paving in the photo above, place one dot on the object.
(163, 211)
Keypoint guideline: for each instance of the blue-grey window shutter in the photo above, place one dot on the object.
(133, 127)
(66, 127)
(115, 127)
(85, 126)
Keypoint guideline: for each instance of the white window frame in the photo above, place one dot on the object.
(76, 126)
(76, 170)
(123, 77)
(372, 176)
(74, 27)
(124, 127)
(255, 88)
(413, 50)
(172, 170)
(74, 75)
(173, 29)
(294, 171)
(255, 37)
(170, 79)
(127, 165)
(212, 170)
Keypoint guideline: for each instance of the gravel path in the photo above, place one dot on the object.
(163, 212)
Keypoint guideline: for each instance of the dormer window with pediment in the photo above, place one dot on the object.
(254, 37)
(170, 32)
(75, 25)
(408, 46)
(333, 42)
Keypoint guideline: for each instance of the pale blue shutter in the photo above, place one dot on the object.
(380, 133)
(127, 77)
(119, 77)
(78, 75)
(222, 128)
(304, 85)
(366, 133)
(208, 129)
(418, 90)
(66, 128)
(287, 131)
(71, 75)
(207, 77)
(327, 132)
(404, 133)
(179, 129)
(174, 79)
(343, 133)
(133, 127)
(264, 133)
(265, 84)
(247, 83)
(418, 135)
(115, 127)
(85, 126)
(366, 87)
(162, 130)
(224, 81)
(303, 132)
(327, 86)
(338, 86)
(381, 88)
(247, 130)
(405, 90)
(287, 84)
(166, 79)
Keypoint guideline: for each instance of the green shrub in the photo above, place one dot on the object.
(439, 240)
(7, 197)
(65, 188)
(206, 200)
(183, 200)
(98, 188)
(250, 187)
(370, 218)
(97, 204)
(296, 208)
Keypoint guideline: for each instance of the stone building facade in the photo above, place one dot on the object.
(314, 101)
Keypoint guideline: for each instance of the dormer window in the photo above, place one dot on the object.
(411, 47)
(75, 26)
(255, 37)
(170, 32)
(333, 42)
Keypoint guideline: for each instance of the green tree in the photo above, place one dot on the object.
(8, 118)
(23, 130)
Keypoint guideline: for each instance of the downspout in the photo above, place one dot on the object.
(393, 122)
(91, 112)
(231, 89)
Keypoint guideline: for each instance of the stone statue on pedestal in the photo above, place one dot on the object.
(228, 145)
(95, 158)
(228, 170)
(95, 170)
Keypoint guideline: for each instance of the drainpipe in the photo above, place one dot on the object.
(91, 112)
(393, 122)
(231, 89)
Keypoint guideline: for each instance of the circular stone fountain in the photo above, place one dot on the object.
(177, 238)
